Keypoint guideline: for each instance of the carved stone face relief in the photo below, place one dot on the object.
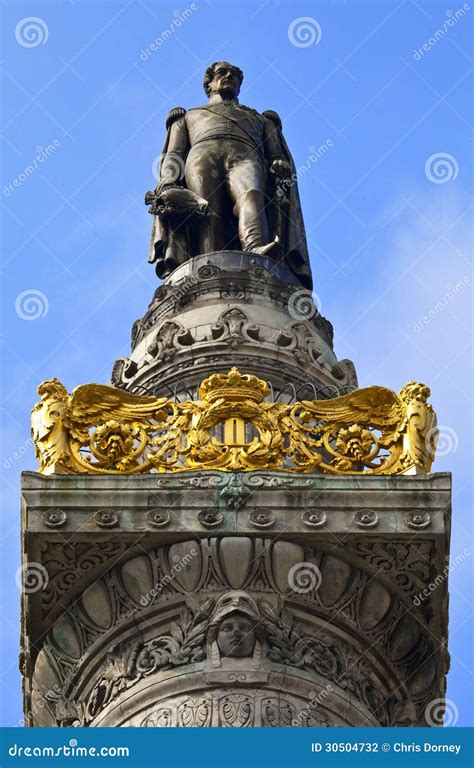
(235, 627)
(236, 636)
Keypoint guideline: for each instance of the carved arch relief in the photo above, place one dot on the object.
(137, 625)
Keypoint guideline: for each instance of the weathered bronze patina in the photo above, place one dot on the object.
(227, 181)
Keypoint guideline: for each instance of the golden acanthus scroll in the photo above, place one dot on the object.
(101, 430)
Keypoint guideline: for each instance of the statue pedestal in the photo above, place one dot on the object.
(134, 575)
(232, 308)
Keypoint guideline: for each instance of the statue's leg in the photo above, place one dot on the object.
(246, 181)
(205, 176)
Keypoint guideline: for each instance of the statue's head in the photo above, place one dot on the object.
(235, 625)
(223, 78)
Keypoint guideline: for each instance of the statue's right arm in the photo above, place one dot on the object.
(172, 165)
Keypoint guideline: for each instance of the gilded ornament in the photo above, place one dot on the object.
(232, 427)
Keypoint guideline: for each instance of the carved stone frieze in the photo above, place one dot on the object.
(409, 563)
(375, 624)
(302, 341)
(168, 339)
(237, 710)
(69, 562)
(232, 291)
(223, 307)
(234, 327)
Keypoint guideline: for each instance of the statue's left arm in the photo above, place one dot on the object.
(272, 145)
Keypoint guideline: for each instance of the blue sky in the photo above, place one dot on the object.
(387, 207)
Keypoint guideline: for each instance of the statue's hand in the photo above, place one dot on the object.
(281, 168)
(164, 185)
(150, 197)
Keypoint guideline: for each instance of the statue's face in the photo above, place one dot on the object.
(226, 81)
(236, 636)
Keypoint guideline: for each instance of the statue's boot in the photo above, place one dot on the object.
(273, 250)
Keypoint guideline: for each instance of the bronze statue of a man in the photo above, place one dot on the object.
(240, 183)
